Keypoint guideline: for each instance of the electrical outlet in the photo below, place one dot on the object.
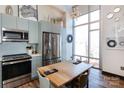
(122, 68)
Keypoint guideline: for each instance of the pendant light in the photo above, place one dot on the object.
(75, 12)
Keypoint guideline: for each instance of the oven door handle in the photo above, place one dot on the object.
(15, 62)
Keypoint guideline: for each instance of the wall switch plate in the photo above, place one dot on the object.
(122, 67)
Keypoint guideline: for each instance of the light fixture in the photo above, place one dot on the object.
(75, 12)
(116, 10)
(117, 19)
(110, 15)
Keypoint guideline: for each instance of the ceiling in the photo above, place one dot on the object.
(64, 8)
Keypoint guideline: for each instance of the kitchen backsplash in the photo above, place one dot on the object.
(7, 48)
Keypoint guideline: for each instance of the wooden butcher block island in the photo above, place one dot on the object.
(66, 71)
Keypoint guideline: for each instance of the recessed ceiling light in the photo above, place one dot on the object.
(116, 10)
(110, 15)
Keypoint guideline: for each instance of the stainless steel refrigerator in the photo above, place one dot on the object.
(50, 48)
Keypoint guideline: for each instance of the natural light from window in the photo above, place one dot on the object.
(86, 30)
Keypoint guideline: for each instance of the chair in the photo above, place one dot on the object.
(44, 82)
(81, 81)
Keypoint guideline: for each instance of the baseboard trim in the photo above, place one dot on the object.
(108, 73)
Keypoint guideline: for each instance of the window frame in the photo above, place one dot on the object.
(89, 30)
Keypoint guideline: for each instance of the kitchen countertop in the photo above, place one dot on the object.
(33, 55)
(66, 74)
(0, 58)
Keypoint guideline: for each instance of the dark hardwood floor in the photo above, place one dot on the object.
(32, 84)
(99, 80)
(96, 80)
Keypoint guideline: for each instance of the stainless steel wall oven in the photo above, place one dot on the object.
(16, 70)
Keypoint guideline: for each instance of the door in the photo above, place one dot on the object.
(36, 63)
(8, 21)
(14, 70)
(46, 48)
(22, 24)
(55, 45)
(0, 29)
(51, 47)
(63, 43)
(45, 26)
(33, 32)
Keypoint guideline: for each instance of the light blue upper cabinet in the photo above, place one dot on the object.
(33, 32)
(9, 21)
(22, 24)
(0, 30)
(45, 26)
(63, 43)
(49, 27)
(56, 28)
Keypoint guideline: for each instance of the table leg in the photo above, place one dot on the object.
(87, 86)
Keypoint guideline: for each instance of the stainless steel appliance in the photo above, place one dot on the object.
(50, 48)
(14, 35)
(16, 70)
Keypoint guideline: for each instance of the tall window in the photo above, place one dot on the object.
(86, 31)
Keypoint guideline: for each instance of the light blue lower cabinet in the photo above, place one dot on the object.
(0, 29)
(0, 75)
(36, 63)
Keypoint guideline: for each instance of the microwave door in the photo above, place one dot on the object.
(26, 37)
(15, 36)
(12, 35)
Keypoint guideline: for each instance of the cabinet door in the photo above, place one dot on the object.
(36, 63)
(8, 21)
(0, 30)
(39, 61)
(22, 24)
(0, 75)
(45, 26)
(56, 28)
(33, 32)
(34, 70)
(63, 43)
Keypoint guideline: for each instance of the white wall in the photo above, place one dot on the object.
(48, 11)
(14, 7)
(112, 59)
(69, 30)
(83, 9)
(43, 11)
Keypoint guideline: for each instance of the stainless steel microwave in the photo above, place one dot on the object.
(14, 35)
